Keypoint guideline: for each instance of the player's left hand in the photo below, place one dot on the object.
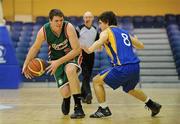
(52, 67)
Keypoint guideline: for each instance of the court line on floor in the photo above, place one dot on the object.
(41, 104)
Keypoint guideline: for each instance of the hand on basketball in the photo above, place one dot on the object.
(52, 67)
(26, 73)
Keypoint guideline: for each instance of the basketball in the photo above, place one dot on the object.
(36, 67)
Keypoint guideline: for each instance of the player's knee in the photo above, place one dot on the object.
(65, 92)
(94, 80)
(97, 80)
(70, 70)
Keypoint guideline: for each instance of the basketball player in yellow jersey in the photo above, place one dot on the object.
(63, 50)
(125, 71)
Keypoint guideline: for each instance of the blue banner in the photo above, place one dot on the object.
(10, 72)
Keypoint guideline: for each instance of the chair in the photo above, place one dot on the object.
(22, 50)
(138, 21)
(74, 20)
(14, 43)
(172, 27)
(159, 22)
(127, 26)
(148, 21)
(20, 57)
(178, 19)
(17, 26)
(43, 56)
(27, 33)
(15, 35)
(28, 26)
(178, 63)
(170, 19)
(126, 19)
(173, 33)
(37, 27)
(176, 56)
(118, 20)
(23, 44)
(178, 70)
(41, 20)
(26, 37)
(44, 49)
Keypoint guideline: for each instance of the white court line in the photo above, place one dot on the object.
(90, 105)
(2, 107)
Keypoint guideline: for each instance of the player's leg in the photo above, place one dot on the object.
(139, 94)
(84, 76)
(88, 87)
(99, 90)
(87, 65)
(129, 86)
(85, 88)
(71, 70)
(66, 94)
(98, 84)
(63, 85)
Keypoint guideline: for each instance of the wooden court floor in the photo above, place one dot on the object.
(42, 106)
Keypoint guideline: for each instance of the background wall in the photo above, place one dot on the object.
(71, 7)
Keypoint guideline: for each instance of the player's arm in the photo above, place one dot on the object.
(75, 45)
(136, 43)
(97, 44)
(34, 48)
(101, 47)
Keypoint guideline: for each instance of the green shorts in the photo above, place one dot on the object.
(60, 74)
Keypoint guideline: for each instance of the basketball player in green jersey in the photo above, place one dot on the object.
(64, 49)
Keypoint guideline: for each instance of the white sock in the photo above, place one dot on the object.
(147, 99)
(103, 105)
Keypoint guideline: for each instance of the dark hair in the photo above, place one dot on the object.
(55, 12)
(108, 17)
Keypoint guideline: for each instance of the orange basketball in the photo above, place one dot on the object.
(36, 67)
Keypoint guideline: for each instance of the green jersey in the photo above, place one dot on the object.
(58, 46)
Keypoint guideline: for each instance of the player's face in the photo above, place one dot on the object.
(56, 23)
(103, 25)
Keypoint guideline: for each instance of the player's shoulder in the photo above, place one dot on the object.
(70, 25)
(46, 25)
(104, 33)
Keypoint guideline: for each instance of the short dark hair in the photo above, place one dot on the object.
(55, 12)
(108, 17)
